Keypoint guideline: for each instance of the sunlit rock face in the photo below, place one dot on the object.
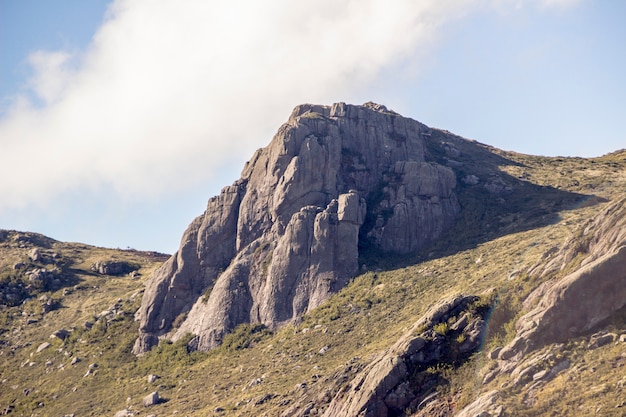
(287, 234)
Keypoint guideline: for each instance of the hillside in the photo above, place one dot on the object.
(464, 324)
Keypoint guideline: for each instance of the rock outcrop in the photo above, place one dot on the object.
(287, 234)
(396, 380)
(575, 304)
(113, 267)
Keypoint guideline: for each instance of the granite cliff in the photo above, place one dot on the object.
(287, 234)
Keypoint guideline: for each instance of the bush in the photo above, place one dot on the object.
(441, 328)
(244, 336)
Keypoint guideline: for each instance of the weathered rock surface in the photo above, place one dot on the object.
(388, 387)
(286, 235)
(578, 302)
(152, 399)
(483, 406)
(113, 267)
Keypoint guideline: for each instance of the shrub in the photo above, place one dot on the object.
(245, 335)
(441, 328)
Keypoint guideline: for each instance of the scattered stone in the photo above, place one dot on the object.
(324, 350)
(494, 353)
(622, 338)
(264, 399)
(151, 378)
(489, 376)
(44, 345)
(601, 340)
(498, 186)
(559, 367)
(60, 334)
(123, 413)
(470, 179)
(254, 382)
(8, 409)
(35, 255)
(75, 360)
(152, 399)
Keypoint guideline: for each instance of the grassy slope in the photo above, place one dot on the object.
(492, 249)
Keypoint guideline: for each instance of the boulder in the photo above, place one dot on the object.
(485, 405)
(35, 255)
(113, 267)
(60, 334)
(152, 399)
(601, 340)
(43, 346)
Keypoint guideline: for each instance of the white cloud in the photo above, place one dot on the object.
(169, 91)
(51, 74)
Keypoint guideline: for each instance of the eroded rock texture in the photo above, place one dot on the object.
(577, 303)
(286, 235)
(397, 379)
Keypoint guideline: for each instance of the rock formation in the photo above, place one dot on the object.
(397, 379)
(575, 304)
(287, 234)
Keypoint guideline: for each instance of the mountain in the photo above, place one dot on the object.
(364, 265)
(285, 236)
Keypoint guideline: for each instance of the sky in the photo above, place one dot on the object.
(120, 119)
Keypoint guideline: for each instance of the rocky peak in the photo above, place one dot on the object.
(286, 235)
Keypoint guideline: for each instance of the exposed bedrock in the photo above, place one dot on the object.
(577, 303)
(287, 234)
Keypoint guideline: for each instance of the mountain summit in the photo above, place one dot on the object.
(276, 243)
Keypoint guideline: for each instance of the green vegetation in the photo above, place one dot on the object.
(441, 328)
(244, 336)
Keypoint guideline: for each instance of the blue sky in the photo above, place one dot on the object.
(118, 120)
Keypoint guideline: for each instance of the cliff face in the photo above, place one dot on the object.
(287, 234)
